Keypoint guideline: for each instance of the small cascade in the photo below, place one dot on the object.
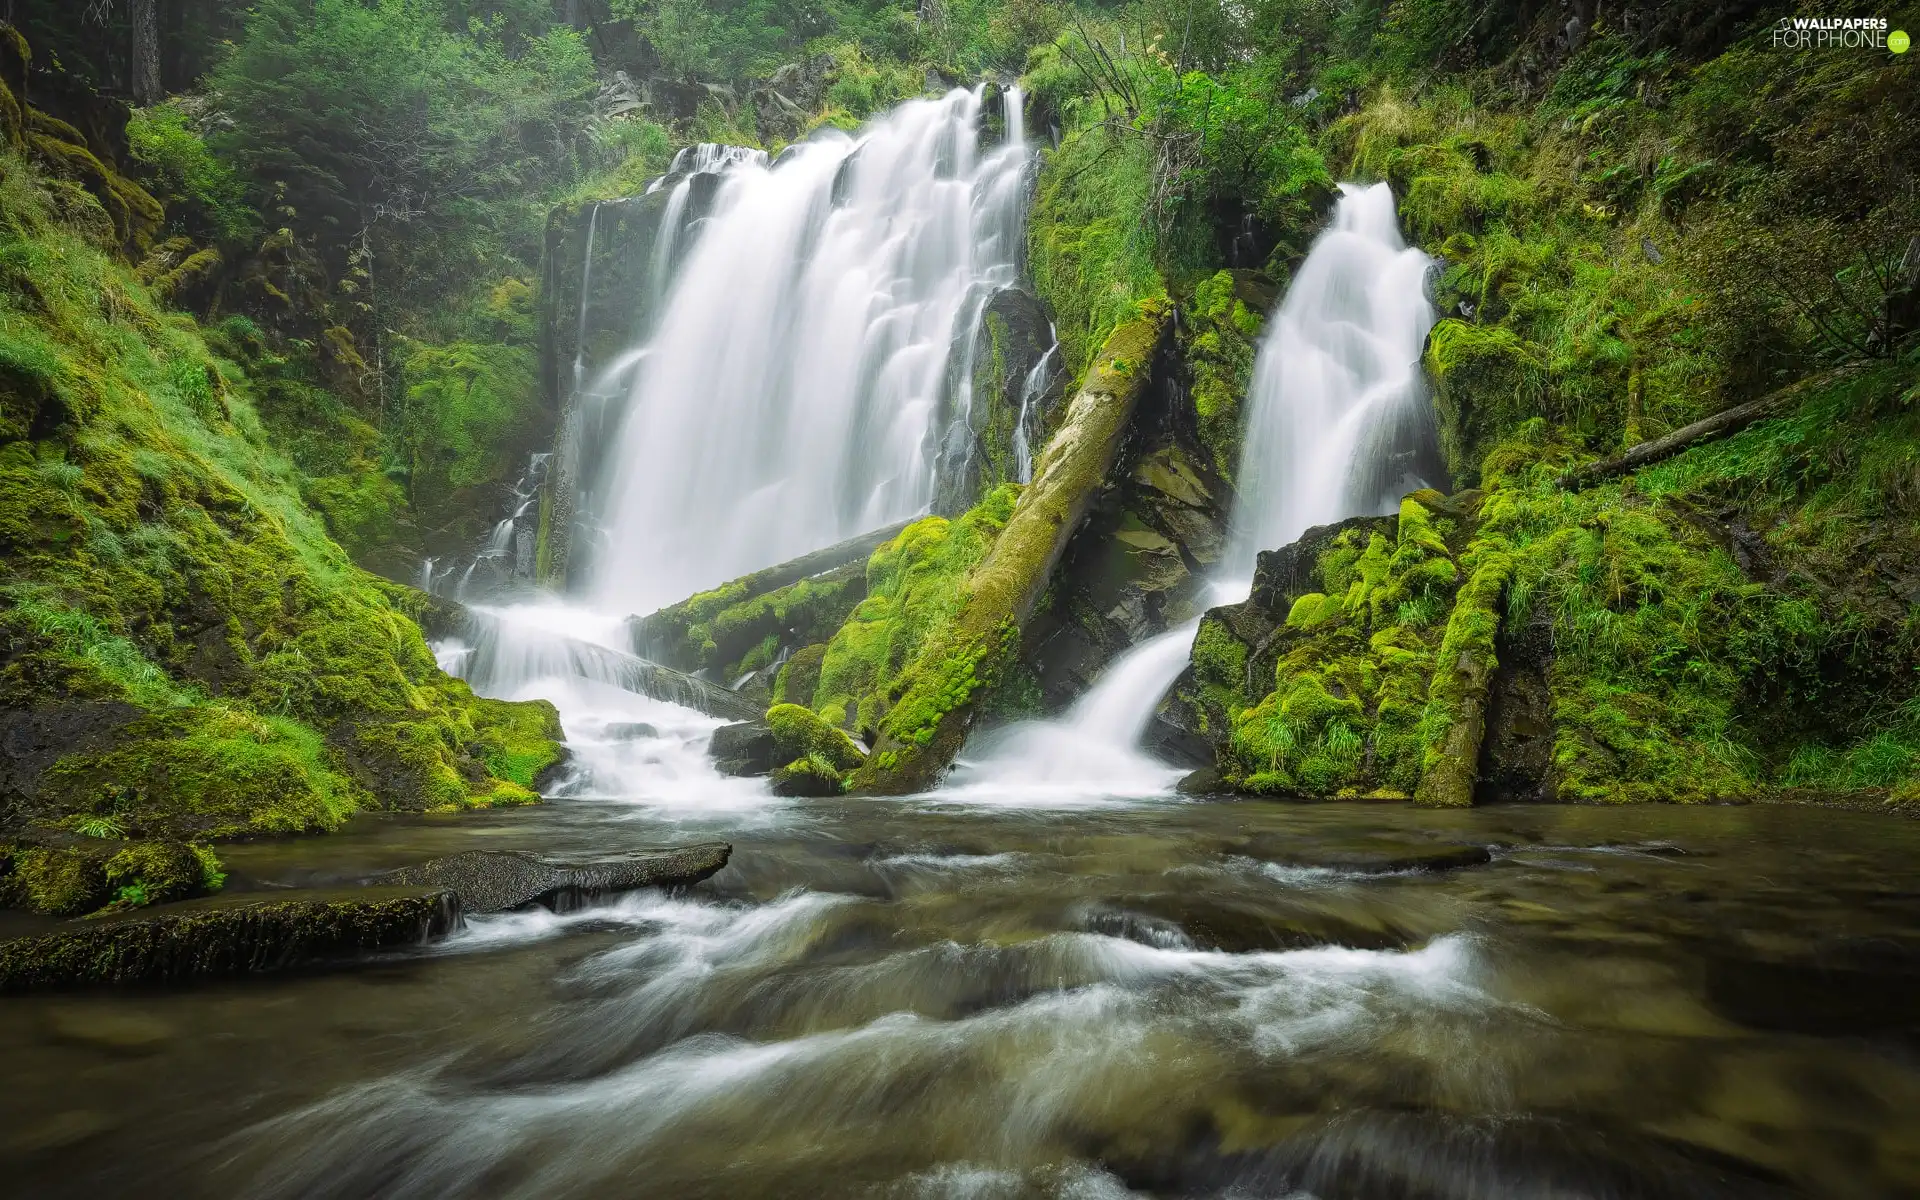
(808, 360)
(586, 291)
(714, 156)
(506, 556)
(1338, 426)
(1338, 423)
(1091, 754)
(1038, 380)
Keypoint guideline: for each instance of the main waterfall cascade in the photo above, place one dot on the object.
(1338, 423)
(807, 377)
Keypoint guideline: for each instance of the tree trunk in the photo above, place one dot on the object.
(146, 51)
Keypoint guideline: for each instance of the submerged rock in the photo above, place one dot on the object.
(497, 880)
(1373, 856)
(629, 730)
(227, 936)
(1440, 1156)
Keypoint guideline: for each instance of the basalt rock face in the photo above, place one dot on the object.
(497, 880)
(228, 936)
(594, 300)
(743, 748)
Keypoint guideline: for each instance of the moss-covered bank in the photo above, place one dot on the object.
(186, 653)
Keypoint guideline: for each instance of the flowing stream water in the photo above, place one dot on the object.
(1052, 977)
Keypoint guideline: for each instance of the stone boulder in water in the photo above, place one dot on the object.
(743, 748)
(498, 880)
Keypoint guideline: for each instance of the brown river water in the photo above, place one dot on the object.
(1143, 998)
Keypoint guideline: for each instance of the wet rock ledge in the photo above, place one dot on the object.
(226, 936)
(246, 934)
(487, 881)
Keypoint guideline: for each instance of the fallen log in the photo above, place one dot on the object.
(1721, 424)
(961, 663)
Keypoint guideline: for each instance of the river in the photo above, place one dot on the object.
(954, 995)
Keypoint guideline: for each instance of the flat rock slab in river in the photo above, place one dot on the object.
(498, 880)
(1371, 857)
(227, 935)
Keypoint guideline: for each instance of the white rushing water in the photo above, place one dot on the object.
(1338, 423)
(1091, 754)
(809, 355)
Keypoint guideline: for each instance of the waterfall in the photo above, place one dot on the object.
(1091, 753)
(1034, 387)
(586, 290)
(1337, 426)
(1337, 418)
(798, 385)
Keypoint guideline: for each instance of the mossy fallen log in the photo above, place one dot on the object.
(745, 623)
(227, 936)
(958, 666)
(1724, 423)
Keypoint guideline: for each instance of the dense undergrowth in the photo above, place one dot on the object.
(196, 655)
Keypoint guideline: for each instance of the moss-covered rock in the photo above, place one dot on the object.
(798, 733)
(226, 936)
(87, 875)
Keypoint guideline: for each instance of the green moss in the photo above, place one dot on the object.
(71, 880)
(1353, 664)
(914, 587)
(1218, 338)
(799, 678)
(55, 881)
(800, 734)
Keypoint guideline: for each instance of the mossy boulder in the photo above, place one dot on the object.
(798, 733)
(87, 875)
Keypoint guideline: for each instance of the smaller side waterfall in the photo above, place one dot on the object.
(1091, 754)
(1337, 417)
